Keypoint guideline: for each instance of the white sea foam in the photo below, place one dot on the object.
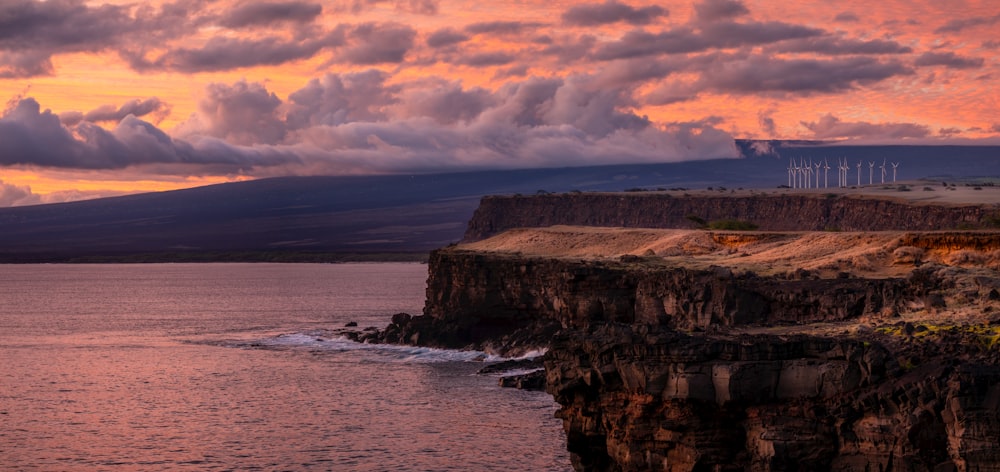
(315, 341)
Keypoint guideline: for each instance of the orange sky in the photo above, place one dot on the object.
(112, 96)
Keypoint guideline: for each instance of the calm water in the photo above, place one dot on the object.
(236, 367)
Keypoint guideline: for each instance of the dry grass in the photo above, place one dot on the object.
(874, 254)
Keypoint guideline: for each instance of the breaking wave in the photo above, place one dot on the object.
(320, 341)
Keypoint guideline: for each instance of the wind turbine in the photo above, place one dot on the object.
(883, 170)
(859, 173)
(895, 165)
(802, 173)
(871, 171)
(818, 166)
(795, 174)
(844, 166)
(826, 173)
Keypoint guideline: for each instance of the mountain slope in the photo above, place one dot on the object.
(397, 213)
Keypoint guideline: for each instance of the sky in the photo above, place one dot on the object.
(107, 97)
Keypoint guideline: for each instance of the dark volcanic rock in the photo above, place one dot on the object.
(529, 381)
(639, 398)
(485, 294)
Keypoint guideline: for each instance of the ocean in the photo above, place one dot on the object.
(239, 367)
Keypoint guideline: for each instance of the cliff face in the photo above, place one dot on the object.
(639, 398)
(512, 290)
(677, 363)
(769, 212)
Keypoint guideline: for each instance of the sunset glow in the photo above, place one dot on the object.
(108, 97)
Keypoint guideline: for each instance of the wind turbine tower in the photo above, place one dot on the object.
(826, 173)
(895, 165)
(817, 165)
(882, 167)
(871, 172)
(859, 173)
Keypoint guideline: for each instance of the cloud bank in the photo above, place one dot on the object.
(421, 85)
(361, 123)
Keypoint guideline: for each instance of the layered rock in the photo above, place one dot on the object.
(795, 212)
(640, 398)
(714, 355)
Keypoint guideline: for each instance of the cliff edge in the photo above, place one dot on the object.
(873, 209)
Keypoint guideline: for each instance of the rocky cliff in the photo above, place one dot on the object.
(641, 398)
(795, 212)
(690, 350)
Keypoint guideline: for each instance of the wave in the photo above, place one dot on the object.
(320, 341)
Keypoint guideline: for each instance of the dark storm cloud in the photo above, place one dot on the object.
(949, 60)
(520, 70)
(684, 39)
(713, 10)
(341, 98)
(957, 25)
(834, 46)
(570, 48)
(111, 113)
(486, 59)
(35, 137)
(640, 43)
(32, 31)
(502, 27)
(421, 7)
(378, 43)
(267, 13)
(628, 72)
(446, 37)
(846, 17)
(445, 102)
(611, 11)
(20, 64)
(242, 113)
(223, 53)
(831, 127)
(762, 74)
(731, 34)
(364, 122)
